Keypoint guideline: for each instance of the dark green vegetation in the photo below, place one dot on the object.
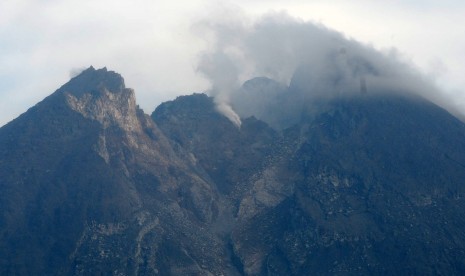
(367, 184)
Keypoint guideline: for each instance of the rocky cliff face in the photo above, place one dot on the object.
(369, 184)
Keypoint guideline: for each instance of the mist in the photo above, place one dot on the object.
(299, 63)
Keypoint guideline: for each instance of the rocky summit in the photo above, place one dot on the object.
(367, 183)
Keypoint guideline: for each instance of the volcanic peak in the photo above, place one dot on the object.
(101, 95)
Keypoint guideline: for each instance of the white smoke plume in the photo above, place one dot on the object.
(222, 72)
(224, 61)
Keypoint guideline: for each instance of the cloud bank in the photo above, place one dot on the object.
(301, 62)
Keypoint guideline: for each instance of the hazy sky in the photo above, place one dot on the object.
(153, 45)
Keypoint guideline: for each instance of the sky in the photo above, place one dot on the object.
(157, 46)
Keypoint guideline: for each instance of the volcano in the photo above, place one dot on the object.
(366, 183)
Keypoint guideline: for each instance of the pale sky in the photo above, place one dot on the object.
(151, 42)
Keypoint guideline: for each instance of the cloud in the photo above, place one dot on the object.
(309, 62)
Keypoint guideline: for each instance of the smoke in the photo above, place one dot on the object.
(308, 62)
(223, 74)
(224, 62)
(76, 71)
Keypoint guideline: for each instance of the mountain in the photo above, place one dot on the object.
(375, 186)
(367, 183)
(89, 185)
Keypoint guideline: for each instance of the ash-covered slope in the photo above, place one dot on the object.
(367, 183)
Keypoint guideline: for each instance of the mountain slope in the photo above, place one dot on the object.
(228, 154)
(86, 179)
(374, 181)
(366, 183)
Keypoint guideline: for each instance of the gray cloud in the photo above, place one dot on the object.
(309, 62)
